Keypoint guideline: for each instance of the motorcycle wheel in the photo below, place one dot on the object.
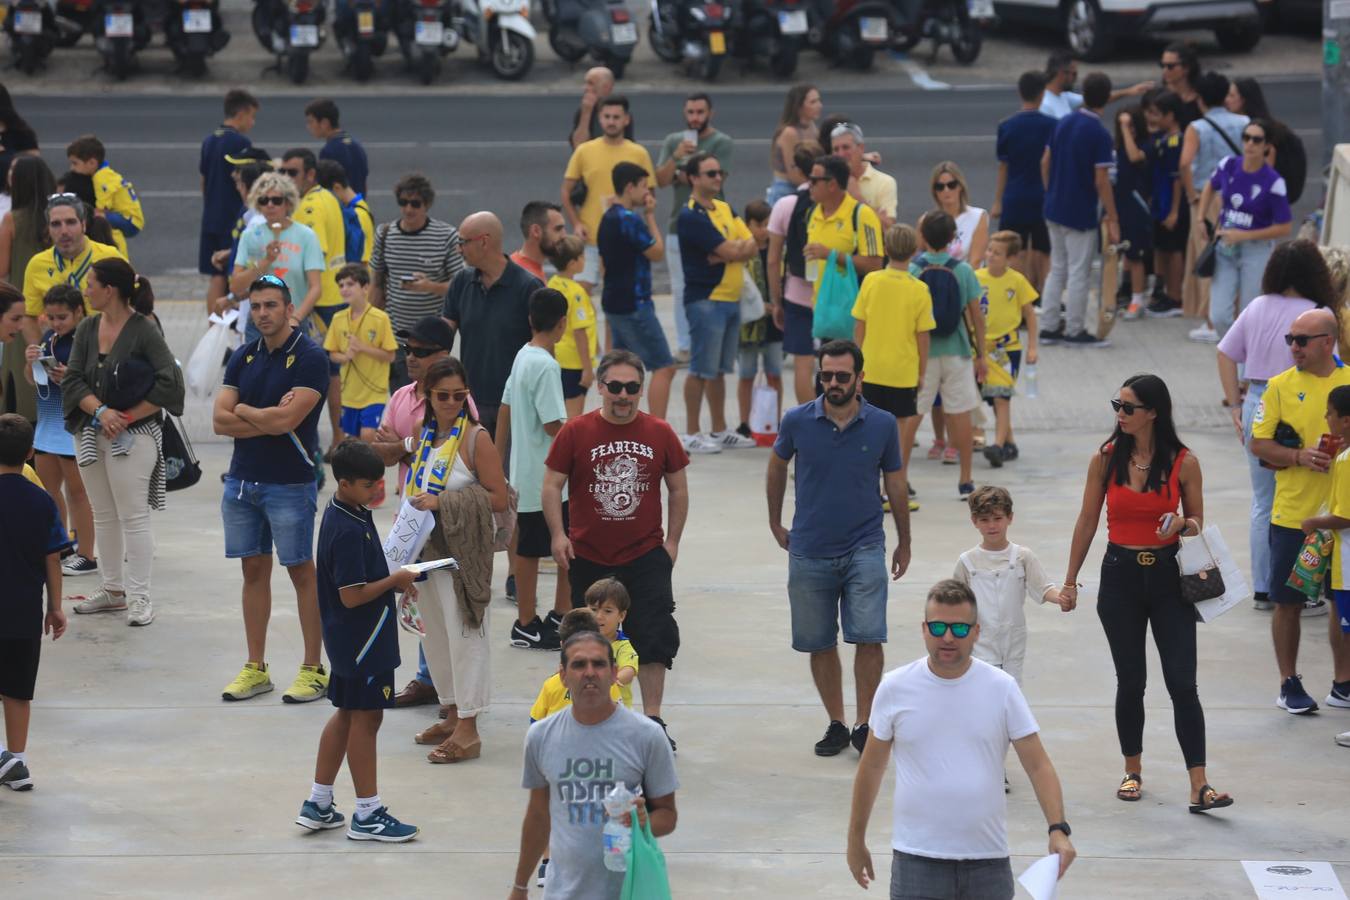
(783, 63)
(119, 62)
(297, 67)
(512, 56)
(662, 44)
(193, 66)
(363, 67)
(616, 66)
(861, 58)
(966, 46)
(30, 60)
(565, 51)
(709, 67)
(427, 64)
(262, 26)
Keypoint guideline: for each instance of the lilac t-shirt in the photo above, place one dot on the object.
(1251, 200)
(1257, 337)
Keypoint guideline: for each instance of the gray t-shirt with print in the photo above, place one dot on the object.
(579, 764)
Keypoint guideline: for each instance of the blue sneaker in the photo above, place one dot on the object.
(1293, 698)
(381, 827)
(317, 819)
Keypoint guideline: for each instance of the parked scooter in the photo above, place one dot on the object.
(954, 22)
(854, 30)
(32, 34)
(193, 31)
(501, 31)
(693, 31)
(361, 28)
(426, 34)
(774, 30)
(292, 30)
(120, 32)
(606, 29)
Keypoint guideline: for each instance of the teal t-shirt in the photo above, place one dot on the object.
(300, 253)
(718, 144)
(534, 393)
(958, 342)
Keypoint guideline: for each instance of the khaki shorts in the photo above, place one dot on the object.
(954, 378)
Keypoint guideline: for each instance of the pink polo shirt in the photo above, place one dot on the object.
(403, 415)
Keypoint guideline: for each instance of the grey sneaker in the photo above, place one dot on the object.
(100, 601)
(1316, 607)
(139, 611)
(13, 773)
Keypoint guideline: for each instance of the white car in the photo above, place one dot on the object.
(1090, 27)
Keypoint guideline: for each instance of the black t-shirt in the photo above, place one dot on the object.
(30, 529)
(360, 640)
(493, 325)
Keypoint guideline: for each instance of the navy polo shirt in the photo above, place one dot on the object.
(262, 378)
(698, 238)
(1022, 139)
(343, 148)
(1080, 146)
(493, 324)
(837, 508)
(220, 198)
(360, 640)
(30, 531)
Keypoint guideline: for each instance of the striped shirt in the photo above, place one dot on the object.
(433, 251)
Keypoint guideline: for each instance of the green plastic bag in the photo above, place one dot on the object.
(834, 301)
(1310, 570)
(646, 877)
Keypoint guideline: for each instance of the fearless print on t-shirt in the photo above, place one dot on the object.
(622, 478)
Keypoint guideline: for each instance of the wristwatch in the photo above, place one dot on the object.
(1061, 826)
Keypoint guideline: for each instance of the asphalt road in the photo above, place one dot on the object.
(498, 152)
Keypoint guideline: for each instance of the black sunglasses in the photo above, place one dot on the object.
(840, 377)
(1168, 65)
(713, 173)
(291, 173)
(816, 179)
(446, 396)
(959, 629)
(1129, 408)
(620, 387)
(271, 201)
(1301, 339)
(1253, 139)
(419, 352)
(946, 185)
(412, 202)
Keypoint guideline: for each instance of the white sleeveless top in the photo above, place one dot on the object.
(966, 224)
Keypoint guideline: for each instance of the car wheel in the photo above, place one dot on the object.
(1084, 30)
(1238, 40)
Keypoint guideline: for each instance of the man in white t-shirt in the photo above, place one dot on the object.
(948, 719)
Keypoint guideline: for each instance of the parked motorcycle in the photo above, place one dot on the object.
(74, 19)
(361, 28)
(426, 33)
(693, 31)
(854, 30)
(120, 32)
(774, 30)
(606, 29)
(953, 22)
(501, 31)
(193, 31)
(32, 34)
(291, 30)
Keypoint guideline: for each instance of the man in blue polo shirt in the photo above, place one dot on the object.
(321, 120)
(837, 546)
(220, 195)
(270, 404)
(1079, 159)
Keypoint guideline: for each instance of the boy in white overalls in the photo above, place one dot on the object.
(1001, 573)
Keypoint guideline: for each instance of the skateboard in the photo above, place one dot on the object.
(1106, 306)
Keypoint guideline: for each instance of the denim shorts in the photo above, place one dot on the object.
(640, 331)
(257, 515)
(851, 588)
(354, 419)
(925, 878)
(768, 357)
(714, 337)
(797, 322)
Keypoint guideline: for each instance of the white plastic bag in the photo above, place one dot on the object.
(1196, 554)
(205, 366)
(751, 300)
(763, 409)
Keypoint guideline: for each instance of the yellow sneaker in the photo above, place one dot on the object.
(913, 505)
(251, 681)
(309, 685)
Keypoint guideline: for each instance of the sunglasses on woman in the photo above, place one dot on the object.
(410, 202)
(271, 201)
(1128, 408)
(959, 629)
(446, 396)
(946, 185)
(1253, 139)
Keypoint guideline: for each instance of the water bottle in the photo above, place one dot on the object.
(617, 837)
(1029, 373)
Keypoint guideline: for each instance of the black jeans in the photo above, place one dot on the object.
(1135, 594)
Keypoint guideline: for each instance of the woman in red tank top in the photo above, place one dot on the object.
(1142, 474)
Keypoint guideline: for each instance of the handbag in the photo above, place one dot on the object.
(833, 319)
(505, 521)
(181, 469)
(1205, 260)
(646, 877)
(128, 383)
(1207, 582)
(751, 300)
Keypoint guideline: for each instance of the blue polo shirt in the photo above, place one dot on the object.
(30, 531)
(220, 198)
(1022, 139)
(343, 148)
(262, 378)
(360, 640)
(837, 508)
(1080, 146)
(622, 239)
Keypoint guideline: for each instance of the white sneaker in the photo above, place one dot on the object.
(100, 601)
(698, 443)
(1203, 335)
(139, 611)
(730, 440)
(1316, 607)
(1343, 738)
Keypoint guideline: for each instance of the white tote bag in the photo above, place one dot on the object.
(205, 367)
(1207, 550)
(763, 409)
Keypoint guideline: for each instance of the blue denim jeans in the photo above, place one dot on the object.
(1263, 496)
(1237, 281)
(924, 878)
(715, 337)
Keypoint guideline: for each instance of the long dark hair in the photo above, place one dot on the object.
(1153, 394)
(31, 182)
(1298, 265)
(1189, 59)
(449, 367)
(1253, 98)
(9, 116)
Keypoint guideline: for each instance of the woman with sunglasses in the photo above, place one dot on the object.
(1180, 67)
(1254, 214)
(277, 245)
(1141, 473)
(952, 196)
(456, 475)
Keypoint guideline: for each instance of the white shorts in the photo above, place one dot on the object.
(954, 378)
(591, 273)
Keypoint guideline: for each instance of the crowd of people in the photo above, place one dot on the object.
(495, 450)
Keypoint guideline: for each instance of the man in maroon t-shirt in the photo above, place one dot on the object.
(613, 461)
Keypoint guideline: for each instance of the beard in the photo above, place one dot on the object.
(840, 397)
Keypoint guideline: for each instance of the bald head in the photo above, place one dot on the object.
(1317, 329)
(600, 81)
(483, 225)
(1314, 321)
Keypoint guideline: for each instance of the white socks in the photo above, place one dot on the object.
(321, 795)
(1139, 299)
(366, 806)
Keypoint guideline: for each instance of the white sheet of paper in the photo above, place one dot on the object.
(448, 563)
(1296, 878)
(1041, 879)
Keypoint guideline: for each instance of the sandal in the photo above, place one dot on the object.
(1132, 783)
(435, 734)
(1210, 799)
(450, 752)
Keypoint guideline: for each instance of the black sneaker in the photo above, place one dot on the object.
(744, 430)
(994, 453)
(1052, 337)
(533, 636)
(78, 565)
(912, 492)
(1010, 452)
(511, 588)
(553, 621)
(659, 721)
(1163, 307)
(964, 490)
(859, 736)
(836, 739)
(1084, 339)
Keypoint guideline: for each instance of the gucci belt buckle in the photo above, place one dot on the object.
(1145, 558)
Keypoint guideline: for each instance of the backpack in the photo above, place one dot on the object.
(1291, 161)
(356, 237)
(795, 239)
(948, 305)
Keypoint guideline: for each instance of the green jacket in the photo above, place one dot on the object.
(141, 339)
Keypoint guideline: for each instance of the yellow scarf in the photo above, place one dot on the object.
(436, 462)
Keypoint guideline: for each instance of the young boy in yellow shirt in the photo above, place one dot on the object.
(115, 197)
(578, 348)
(608, 601)
(1007, 305)
(893, 315)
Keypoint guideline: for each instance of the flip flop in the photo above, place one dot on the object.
(1132, 783)
(1210, 799)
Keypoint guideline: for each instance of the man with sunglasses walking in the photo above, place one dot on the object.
(837, 545)
(948, 720)
(412, 264)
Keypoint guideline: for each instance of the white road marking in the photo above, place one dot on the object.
(919, 75)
